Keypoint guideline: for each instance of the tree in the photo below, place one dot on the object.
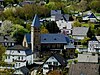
(18, 33)
(43, 30)
(2, 52)
(52, 27)
(95, 5)
(6, 28)
(82, 6)
(76, 24)
(85, 41)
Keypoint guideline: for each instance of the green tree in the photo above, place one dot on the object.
(85, 41)
(18, 33)
(2, 52)
(6, 28)
(43, 30)
(95, 5)
(52, 27)
(77, 24)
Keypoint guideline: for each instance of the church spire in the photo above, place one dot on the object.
(36, 21)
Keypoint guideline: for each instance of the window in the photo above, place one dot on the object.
(19, 64)
(18, 51)
(49, 63)
(22, 57)
(9, 44)
(19, 57)
(25, 44)
(8, 56)
(55, 63)
(5, 44)
(12, 44)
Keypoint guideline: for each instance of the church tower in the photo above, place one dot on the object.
(35, 34)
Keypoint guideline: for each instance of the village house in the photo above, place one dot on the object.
(87, 65)
(18, 56)
(79, 33)
(54, 62)
(7, 41)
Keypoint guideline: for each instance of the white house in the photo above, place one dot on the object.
(18, 56)
(53, 62)
(65, 26)
(94, 46)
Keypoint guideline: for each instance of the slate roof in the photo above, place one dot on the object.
(60, 59)
(80, 31)
(84, 69)
(54, 12)
(51, 38)
(28, 38)
(66, 17)
(1, 0)
(54, 38)
(19, 47)
(61, 17)
(92, 16)
(36, 21)
(6, 39)
(88, 58)
(24, 70)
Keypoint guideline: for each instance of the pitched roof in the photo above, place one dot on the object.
(80, 31)
(54, 12)
(66, 17)
(92, 16)
(1, 0)
(28, 38)
(84, 69)
(98, 38)
(54, 38)
(20, 48)
(24, 70)
(36, 21)
(60, 59)
(6, 39)
(90, 58)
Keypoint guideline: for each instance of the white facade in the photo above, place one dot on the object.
(64, 26)
(18, 58)
(51, 61)
(93, 46)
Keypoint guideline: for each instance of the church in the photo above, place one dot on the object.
(46, 44)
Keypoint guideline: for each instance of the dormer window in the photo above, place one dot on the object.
(44, 38)
(55, 39)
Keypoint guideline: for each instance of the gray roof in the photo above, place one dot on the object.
(80, 31)
(54, 12)
(69, 46)
(6, 39)
(24, 70)
(20, 48)
(84, 69)
(54, 38)
(90, 58)
(36, 21)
